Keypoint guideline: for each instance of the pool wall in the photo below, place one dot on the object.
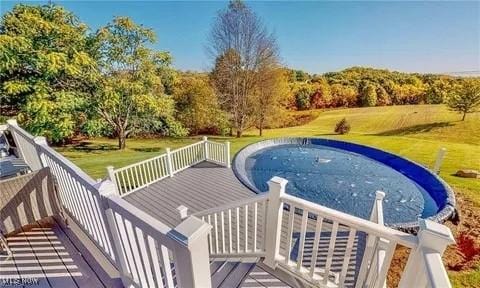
(439, 190)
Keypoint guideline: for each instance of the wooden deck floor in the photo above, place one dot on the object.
(44, 256)
(203, 186)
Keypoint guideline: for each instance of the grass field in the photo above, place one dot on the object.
(415, 132)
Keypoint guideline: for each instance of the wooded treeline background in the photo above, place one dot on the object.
(61, 80)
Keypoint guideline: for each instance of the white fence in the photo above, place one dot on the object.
(136, 176)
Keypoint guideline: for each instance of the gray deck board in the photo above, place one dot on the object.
(203, 186)
(43, 251)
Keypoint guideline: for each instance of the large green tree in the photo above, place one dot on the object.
(197, 105)
(465, 98)
(47, 68)
(133, 98)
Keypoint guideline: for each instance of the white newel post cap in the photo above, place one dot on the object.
(204, 138)
(183, 211)
(106, 187)
(40, 140)
(435, 235)
(12, 122)
(277, 185)
(379, 195)
(190, 230)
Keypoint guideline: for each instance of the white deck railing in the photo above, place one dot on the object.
(283, 229)
(239, 228)
(136, 176)
(145, 251)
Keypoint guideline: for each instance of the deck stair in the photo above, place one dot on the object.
(230, 273)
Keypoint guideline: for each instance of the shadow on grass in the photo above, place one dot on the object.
(86, 146)
(421, 128)
(148, 149)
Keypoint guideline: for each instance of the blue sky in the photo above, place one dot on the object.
(317, 37)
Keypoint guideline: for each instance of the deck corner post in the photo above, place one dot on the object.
(432, 237)
(227, 154)
(205, 147)
(438, 162)
(191, 253)
(276, 189)
(169, 162)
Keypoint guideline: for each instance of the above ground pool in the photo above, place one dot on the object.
(345, 176)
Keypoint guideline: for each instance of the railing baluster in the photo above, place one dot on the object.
(385, 265)
(316, 241)
(245, 209)
(222, 221)
(230, 230)
(216, 231)
(167, 267)
(255, 211)
(238, 228)
(291, 218)
(331, 248)
(155, 261)
(301, 247)
(210, 235)
(348, 255)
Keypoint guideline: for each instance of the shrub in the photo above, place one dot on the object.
(342, 127)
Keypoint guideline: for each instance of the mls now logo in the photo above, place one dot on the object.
(18, 281)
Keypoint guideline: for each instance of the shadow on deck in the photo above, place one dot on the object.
(47, 255)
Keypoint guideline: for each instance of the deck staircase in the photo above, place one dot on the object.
(230, 273)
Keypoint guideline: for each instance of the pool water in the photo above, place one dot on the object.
(341, 180)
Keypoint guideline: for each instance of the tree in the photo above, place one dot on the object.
(343, 96)
(271, 95)
(241, 46)
(197, 105)
(321, 97)
(438, 91)
(132, 97)
(466, 97)
(302, 96)
(47, 69)
(369, 95)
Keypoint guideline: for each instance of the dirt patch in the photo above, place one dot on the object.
(463, 256)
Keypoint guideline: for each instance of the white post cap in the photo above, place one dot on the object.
(379, 195)
(183, 211)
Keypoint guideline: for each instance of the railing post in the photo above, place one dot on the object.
(14, 123)
(227, 153)
(276, 189)
(192, 259)
(205, 147)
(439, 160)
(169, 162)
(41, 141)
(433, 237)
(111, 177)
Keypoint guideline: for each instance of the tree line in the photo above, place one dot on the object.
(61, 79)
(367, 87)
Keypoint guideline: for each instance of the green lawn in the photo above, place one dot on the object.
(416, 132)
